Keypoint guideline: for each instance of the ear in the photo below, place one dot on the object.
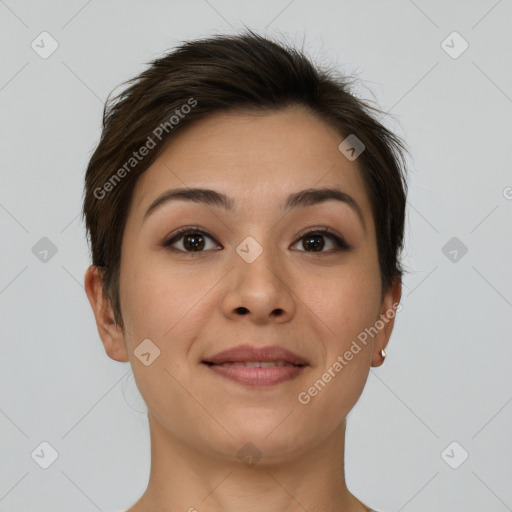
(111, 335)
(387, 314)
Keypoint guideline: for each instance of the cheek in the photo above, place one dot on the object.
(164, 306)
(152, 296)
(347, 307)
(346, 302)
(165, 303)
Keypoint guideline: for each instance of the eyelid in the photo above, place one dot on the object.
(318, 229)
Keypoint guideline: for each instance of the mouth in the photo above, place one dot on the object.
(254, 367)
(255, 364)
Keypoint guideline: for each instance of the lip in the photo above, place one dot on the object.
(223, 364)
(247, 353)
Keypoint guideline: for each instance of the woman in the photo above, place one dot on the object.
(246, 218)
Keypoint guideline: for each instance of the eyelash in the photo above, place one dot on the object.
(340, 243)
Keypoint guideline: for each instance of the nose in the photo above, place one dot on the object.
(260, 290)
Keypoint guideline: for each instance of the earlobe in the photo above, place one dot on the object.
(110, 333)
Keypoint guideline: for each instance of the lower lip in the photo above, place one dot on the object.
(257, 376)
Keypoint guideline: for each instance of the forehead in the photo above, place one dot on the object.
(257, 158)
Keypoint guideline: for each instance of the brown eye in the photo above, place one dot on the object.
(189, 240)
(314, 241)
(193, 242)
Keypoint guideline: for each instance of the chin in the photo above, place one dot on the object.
(268, 442)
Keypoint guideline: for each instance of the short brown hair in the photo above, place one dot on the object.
(226, 73)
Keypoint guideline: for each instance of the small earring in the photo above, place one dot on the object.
(383, 354)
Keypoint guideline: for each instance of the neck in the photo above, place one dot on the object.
(184, 479)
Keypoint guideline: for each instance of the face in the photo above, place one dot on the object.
(261, 273)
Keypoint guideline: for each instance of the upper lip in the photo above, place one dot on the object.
(247, 353)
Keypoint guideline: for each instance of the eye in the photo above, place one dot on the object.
(192, 240)
(314, 240)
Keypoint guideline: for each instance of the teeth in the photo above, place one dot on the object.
(258, 364)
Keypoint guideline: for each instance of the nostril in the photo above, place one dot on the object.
(242, 310)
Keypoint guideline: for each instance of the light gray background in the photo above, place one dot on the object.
(447, 375)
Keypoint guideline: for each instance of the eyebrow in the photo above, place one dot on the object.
(307, 197)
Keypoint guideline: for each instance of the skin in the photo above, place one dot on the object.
(188, 306)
